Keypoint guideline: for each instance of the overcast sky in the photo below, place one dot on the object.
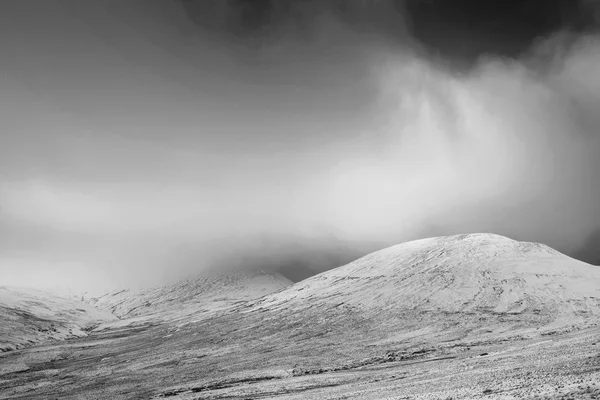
(146, 140)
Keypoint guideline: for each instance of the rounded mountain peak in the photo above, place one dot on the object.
(464, 274)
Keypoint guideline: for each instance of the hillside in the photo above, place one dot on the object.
(202, 293)
(462, 317)
(31, 316)
(463, 281)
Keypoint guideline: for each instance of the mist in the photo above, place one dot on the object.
(145, 141)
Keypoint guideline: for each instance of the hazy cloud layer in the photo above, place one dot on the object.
(142, 143)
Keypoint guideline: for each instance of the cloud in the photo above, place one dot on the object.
(43, 204)
(309, 150)
(505, 148)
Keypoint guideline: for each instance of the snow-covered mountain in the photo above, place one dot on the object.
(466, 281)
(29, 316)
(208, 292)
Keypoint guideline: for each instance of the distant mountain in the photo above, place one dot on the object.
(29, 316)
(204, 293)
(462, 283)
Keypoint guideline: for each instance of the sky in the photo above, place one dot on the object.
(148, 140)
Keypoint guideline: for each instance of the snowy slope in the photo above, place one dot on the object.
(29, 316)
(202, 293)
(432, 284)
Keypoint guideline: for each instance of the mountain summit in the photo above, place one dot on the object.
(465, 281)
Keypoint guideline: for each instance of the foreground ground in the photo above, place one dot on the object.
(209, 360)
(462, 317)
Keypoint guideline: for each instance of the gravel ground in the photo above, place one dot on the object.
(205, 360)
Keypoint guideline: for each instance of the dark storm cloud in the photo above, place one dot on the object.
(461, 32)
(457, 33)
(249, 20)
(494, 43)
(144, 140)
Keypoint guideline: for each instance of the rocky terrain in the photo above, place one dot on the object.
(461, 317)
